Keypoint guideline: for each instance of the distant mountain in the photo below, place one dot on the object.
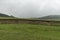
(50, 17)
(4, 15)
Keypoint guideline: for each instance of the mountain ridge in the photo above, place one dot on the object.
(50, 17)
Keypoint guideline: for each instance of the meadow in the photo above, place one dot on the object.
(29, 32)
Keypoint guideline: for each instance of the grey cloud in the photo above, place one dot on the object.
(30, 8)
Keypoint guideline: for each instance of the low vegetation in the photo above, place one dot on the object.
(29, 32)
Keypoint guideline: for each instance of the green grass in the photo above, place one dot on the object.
(7, 18)
(29, 18)
(51, 19)
(29, 32)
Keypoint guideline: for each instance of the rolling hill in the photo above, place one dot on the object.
(51, 17)
(5, 16)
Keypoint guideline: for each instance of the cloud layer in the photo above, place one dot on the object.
(30, 8)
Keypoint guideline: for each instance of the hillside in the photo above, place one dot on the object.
(51, 17)
(5, 16)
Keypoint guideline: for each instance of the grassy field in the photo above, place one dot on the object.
(29, 32)
(7, 18)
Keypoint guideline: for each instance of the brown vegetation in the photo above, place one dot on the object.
(24, 21)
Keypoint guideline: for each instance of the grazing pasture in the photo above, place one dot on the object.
(29, 32)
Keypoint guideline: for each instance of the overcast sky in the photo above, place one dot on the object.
(30, 8)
